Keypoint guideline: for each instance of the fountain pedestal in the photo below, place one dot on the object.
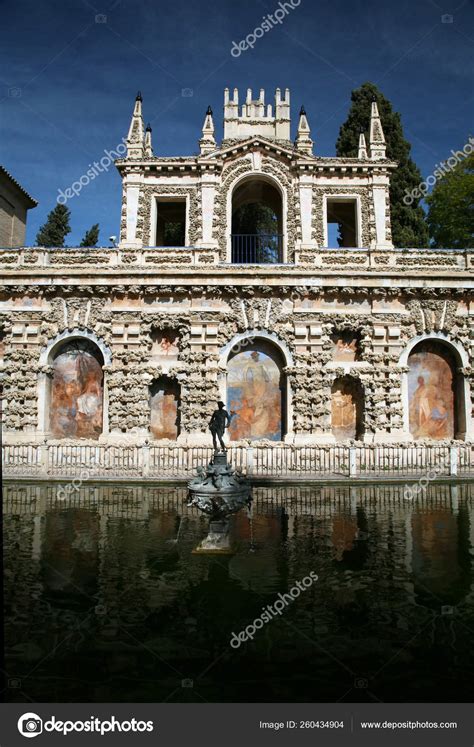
(219, 491)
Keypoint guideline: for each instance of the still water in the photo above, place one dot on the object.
(106, 602)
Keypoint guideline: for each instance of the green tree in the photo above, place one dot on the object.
(409, 226)
(56, 228)
(254, 218)
(91, 237)
(451, 207)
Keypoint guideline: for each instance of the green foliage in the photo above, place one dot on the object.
(254, 218)
(174, 233)
(56, 228)
(91, 237)
(409, 226)
(451, 207)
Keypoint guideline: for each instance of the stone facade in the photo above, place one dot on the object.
(14, 204)
(336, 320)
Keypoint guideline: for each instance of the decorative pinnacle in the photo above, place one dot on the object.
(302, 112)
(139, 96)
(209, 111)
(148, 127)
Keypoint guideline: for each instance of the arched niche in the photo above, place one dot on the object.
(165, 404)
(256, 218)
(76, 396)
(347, 409)
(435, 391)
(256, 391)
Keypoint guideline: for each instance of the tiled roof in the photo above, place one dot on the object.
(18, 186)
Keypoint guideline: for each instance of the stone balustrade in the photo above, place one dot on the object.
(375, 260)
(280, 461)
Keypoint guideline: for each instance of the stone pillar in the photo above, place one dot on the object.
(209, 182)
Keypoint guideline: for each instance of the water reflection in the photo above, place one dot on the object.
(105, 601)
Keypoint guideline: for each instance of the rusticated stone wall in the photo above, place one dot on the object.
(300, 320)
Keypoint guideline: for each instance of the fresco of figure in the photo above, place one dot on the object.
(77, 393)
(431, 396)
(254, 394)
(344, 347)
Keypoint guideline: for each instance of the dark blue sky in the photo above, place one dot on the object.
(67, 82)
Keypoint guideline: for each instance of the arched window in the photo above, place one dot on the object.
(165, 408)
(256, 392)
(347, 409)
(257, 223)
(76, 402)
(435, 392)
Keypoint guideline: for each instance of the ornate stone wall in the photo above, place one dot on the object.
(207, 318)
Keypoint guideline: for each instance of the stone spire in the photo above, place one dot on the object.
(208, 142)
(303, 140)
(362, 147)
(377, 138)
(136, 133)
(148, 145)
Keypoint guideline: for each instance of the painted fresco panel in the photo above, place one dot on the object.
(254, 397)
(165, 346)
(345, 346)
(430, 395)
(77, 393)
(344, 409)
(164, 412)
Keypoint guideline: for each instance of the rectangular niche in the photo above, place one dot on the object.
(341, 229)
(165, 408)
(170, 221)
(345, 346)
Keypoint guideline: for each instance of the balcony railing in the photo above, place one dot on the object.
(257, 249)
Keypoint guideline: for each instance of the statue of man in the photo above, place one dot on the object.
(219, 421)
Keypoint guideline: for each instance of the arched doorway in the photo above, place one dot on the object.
(256, 392)
(77, 392)
(347, 409)
(435, 391)
(165, 408)
(257, 223)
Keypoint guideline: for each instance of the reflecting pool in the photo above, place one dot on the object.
(106, 602)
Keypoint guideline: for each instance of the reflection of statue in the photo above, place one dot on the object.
(219, 421)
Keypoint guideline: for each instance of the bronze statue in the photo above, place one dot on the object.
(219, 421)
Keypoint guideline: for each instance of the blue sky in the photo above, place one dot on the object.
(70, 70)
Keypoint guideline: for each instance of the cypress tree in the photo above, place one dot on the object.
(409, 226)
(56, 228)
(91, 237)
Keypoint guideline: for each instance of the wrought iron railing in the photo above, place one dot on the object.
(257, 248)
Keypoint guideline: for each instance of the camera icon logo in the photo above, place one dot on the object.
(30, 725)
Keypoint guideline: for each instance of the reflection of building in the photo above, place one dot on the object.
(225, 286)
